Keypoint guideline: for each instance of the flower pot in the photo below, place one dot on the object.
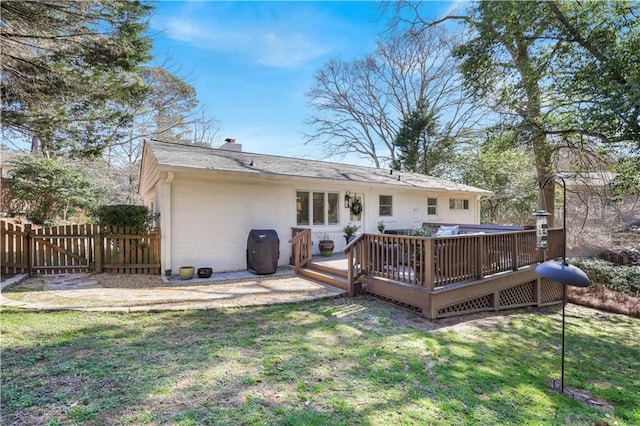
(204, 272)
(186, 272)
(326, 247)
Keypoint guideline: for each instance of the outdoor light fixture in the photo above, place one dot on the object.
(347, 200)
(555, 270)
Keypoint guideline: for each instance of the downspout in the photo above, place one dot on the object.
(165, 218)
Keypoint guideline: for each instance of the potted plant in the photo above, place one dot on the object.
(349, 230)
(186, 272)
(381, 227)
(326, 245)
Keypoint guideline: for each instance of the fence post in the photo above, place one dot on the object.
(514, 252)
(28, 247)
(98, 244)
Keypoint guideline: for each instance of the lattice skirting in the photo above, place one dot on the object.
(484, 303)
(509, 298)
(520, 295)
(550, 291)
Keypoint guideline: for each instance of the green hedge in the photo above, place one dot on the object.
(625, 279)
(138, 218)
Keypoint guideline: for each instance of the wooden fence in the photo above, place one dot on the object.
(77, 248)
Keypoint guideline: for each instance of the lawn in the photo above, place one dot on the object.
(347, 361)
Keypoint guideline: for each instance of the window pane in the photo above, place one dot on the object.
(458, 204)
(386, 205)
(432, 206)
(318, 208)
(302, 208)
(332, 199)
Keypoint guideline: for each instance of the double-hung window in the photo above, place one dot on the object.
(317, 208)
(386, 205)
(432, 207)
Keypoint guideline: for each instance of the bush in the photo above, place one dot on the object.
(625, 279)
(138, 218)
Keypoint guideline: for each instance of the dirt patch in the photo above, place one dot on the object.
(129, 280)
(600, 297)
(582, 396)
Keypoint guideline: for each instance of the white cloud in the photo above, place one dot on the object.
(287, 51)
(182, 30)
(280, 41)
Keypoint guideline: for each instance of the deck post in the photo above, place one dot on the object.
(429, 263)
(350, 272)
(480, 258)
(514, 252)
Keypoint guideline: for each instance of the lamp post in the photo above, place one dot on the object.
(555, 270)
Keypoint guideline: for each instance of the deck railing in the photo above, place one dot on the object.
(301, 247)
(440, 261)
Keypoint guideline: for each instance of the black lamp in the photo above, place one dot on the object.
(555, 270)
(347, 200)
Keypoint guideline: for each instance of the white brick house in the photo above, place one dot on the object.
(210, 199)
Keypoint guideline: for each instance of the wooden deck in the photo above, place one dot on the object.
(443, 276)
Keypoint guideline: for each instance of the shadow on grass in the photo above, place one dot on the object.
(346, 361)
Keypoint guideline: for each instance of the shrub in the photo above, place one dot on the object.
(419, 232)
(625, 279)
(138, 218)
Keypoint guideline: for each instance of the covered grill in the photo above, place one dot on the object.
(263, 251)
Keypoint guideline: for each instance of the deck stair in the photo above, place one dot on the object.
(325, 274)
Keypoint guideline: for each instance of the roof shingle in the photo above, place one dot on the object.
(190, 156)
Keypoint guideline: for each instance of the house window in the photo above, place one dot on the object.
(386, 205)
(317, 208)
(458, 204)
(302, 208)
(432, 207)
(332, 204)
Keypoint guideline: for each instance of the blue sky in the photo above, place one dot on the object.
(252, 62)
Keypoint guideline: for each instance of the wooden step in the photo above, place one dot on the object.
(325, 277)
(323, 268)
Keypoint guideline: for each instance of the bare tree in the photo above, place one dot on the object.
(171, 112)
(359, 105)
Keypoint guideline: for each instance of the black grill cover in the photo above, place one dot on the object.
(263, 251)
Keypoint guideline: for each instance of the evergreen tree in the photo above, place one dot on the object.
(70, 70)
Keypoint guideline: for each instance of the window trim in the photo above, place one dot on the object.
(311, 204)
(459, 204)
(435, 206)
(380, 205)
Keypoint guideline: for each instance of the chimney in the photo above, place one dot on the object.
(231, 145)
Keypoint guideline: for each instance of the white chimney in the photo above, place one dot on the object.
(231, 145)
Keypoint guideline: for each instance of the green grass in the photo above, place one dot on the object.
(334, 362)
